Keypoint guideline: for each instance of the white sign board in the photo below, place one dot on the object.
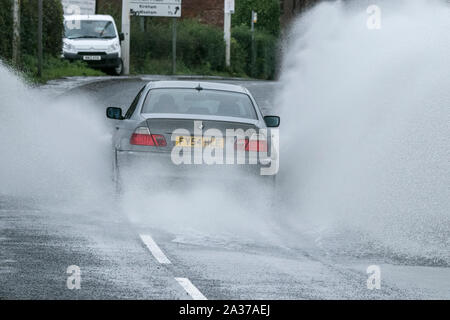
(78, 6)
(156, 8)
(255, 17)
(229, 6)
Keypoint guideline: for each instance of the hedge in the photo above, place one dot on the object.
(268, 15)
(6, 29)
(201, 47)
(266, 46)
(53, 27)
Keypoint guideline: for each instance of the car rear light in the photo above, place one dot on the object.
(142, 137)
(160, 141)
(258, 145)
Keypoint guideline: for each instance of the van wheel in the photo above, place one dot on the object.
(118, 71)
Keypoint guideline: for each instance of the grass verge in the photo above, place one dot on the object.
(55, 68)
(164, 67)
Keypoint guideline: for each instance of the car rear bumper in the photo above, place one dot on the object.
(110, 60)
(158, 164)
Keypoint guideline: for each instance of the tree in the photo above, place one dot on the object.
(53, 28)
(6, 29)
(268, 14)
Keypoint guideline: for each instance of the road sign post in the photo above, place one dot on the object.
(126, 32)
(174, 46)
(150, 8)
(254, 21)
(229, 10)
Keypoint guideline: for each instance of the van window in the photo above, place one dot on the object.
(88, 29)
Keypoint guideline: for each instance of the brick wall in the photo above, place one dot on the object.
(205, 11)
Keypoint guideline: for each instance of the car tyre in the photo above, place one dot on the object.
(118, 71)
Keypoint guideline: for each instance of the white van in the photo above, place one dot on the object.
(95, 40)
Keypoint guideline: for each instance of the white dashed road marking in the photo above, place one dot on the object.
(161, 257)
(154, 249)
(191, 289)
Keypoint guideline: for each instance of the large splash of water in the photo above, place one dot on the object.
(366, 124)
(365, 140)
(52, 149)
(57, 151)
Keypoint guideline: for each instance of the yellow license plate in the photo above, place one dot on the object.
(199, 142)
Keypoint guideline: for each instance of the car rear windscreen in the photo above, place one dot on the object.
(200, 102)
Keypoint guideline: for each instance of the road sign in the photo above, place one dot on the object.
(255, 17)
(229, 6)
(156, 8)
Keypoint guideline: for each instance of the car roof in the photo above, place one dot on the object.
(101, 17)
(195, 84)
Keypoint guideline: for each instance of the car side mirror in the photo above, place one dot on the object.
(114, 113)
(272, 121)
(121, 36)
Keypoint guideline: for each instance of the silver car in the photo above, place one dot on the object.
(183, 129)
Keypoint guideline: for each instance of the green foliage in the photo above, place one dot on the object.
(55, 68)
(164, 67)
(200, 48)
(266, 47)
(112, 8)
(6, 29)
(52, 30)
(199, 44)
(238, 59)
(155, 43)
(268, 14)
(52, 27)
(266, 34)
